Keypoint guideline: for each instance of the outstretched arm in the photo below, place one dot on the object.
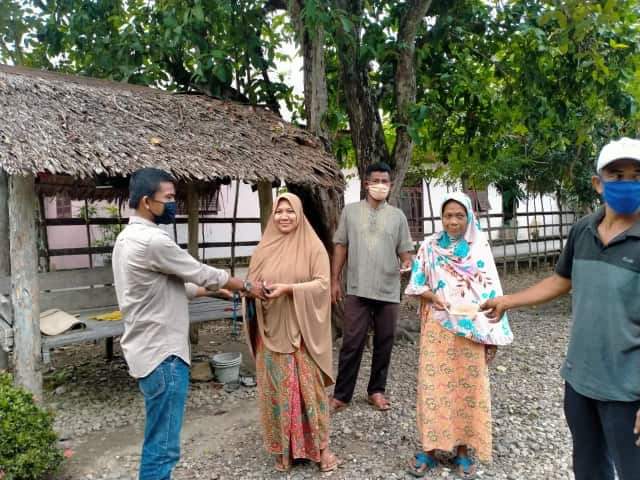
(548, 289)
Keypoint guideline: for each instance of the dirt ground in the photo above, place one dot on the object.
(100, 412)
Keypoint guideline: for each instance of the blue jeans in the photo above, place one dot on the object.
(165, 396)
(602, 437)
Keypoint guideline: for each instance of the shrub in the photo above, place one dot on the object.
(28, 444)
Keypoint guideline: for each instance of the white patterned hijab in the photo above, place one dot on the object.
(463, 273)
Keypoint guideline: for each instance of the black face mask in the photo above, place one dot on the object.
(168, 214)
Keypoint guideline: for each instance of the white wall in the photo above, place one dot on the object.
(248, 207)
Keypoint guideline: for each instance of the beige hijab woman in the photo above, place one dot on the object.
(291, 340)
(300, 259)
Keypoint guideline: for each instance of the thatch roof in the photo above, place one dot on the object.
(84, 127)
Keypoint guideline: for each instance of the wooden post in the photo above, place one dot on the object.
(560, 223)
(88, 230)
(265, 194)
(42, 221)
(433, 215)
(5, 258)
(516, 265)
(192, 212)
(25, 289)
(193, 206)
(234, 226)
(529, 235)
(544, 228)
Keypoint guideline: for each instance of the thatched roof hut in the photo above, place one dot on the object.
(83, 137)
(93, 129)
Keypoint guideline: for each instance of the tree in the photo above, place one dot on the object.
(524, 94)
(226, 49)
(363, 34)
(17, 22)
(516, 94)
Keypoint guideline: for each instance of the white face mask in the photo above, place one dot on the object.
(378, 191)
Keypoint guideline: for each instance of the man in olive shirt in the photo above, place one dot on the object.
(154, 279)
(601, 264)
(371, 236)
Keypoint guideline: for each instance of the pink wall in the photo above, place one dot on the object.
(76, 236)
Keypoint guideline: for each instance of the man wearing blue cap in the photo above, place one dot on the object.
(601, 264)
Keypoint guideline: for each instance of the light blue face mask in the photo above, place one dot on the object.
(623, 196)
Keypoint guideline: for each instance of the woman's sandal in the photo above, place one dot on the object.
(281, 467)
(333, 464)
(465, 467)
(423, 463)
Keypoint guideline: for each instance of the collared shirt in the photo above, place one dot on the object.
(374, 238)
(150, 273)
(604, 349)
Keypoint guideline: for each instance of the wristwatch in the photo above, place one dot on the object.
(247, 286)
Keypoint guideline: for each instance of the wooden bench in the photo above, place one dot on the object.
(87, 293)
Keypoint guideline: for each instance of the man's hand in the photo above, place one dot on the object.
(543, 291)
(220, 293)
(223, 293)
(257, 291)
(636, 428)
(406, 265)
(495, 308)
(336, 291)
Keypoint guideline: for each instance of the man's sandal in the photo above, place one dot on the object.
(379, 402)
(336, 405)
(465, 467)
(422, 464)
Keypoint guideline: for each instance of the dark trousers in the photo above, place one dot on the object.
(359, 313)
(603, 436)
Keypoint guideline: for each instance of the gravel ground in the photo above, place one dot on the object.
(100, 413)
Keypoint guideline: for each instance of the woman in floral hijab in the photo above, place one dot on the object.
(454, 272)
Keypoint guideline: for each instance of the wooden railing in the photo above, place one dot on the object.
(539, 248)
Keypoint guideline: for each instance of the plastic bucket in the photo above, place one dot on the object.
(227, 366)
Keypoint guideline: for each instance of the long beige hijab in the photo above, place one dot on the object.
(298, 258)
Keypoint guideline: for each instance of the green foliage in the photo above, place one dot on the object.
(28, 444)
(108, 233)
(519, 94)
(222, 48)
(526, 93)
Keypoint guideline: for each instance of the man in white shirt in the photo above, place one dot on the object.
(154, 280)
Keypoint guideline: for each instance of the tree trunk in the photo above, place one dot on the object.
(322, 206)
(405, 90)
(315, 81)
(265, 196)
(25, 289)
(193, 207)
(367, 132)
(5, 258)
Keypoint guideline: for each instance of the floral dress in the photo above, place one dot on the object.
(453, 396)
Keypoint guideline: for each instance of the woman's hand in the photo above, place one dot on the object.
(437, 302)
(257, 291)
(277, 290)
(490, 353)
